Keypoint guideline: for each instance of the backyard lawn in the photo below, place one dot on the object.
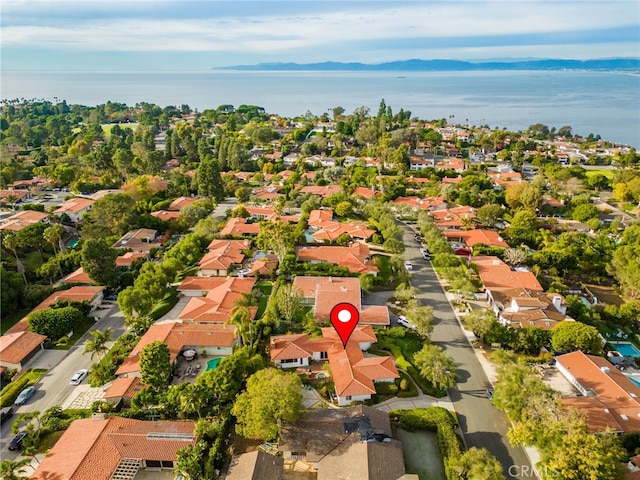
(421, 454)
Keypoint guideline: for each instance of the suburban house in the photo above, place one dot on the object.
(608, 398)
(456, 217)
(356, 440)
(355, 257)
(321, 190)
(17, 348)
(93, 295)
(417, 203)
(365, 192)
(216, 340)
(418, 163)
(114, 447)
(256, 465)
(165, 215)
(319, 218)
(122, 390)
(181, 202)
(522, 307)
(13, 197)
(78, 277)
(455, 164)
(238, 227)
(330, 231)
(127, 259)
(354, 375)
(213, 298)
(477, 236)
(324, 293)
(22, 219)
(264, 266)
(75, 208)
(494, 273)
(141, 240)
(223, 257)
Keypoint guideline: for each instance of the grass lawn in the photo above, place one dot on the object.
(422, 454)
(166, 304)
(33, 260)
(49, 440)
(606, 172)
(265, 288)
(9, 321)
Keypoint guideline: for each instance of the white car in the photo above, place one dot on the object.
(408, 265)
(402, 320)
(79, 376)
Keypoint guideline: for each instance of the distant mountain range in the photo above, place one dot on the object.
(416, 65)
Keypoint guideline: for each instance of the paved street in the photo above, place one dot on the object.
(481, 423)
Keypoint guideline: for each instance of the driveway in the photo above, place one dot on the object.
(481, 423)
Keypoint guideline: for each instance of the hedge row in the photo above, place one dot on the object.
(434, 419)
(11, 391)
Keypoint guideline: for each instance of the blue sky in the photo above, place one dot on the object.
(198, 35)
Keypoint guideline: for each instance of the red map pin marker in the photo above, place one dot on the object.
(344, 318)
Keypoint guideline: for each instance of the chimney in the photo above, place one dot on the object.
(557, 302)
(605, 369)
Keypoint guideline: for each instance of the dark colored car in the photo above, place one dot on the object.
(16, 442)
(5, 414)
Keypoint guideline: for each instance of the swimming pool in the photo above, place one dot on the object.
(213, 363)
(634, 381)
(626, 349)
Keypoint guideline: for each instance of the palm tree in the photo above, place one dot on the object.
(10, 241)
(52, 235)
(13, 470)
(241, 314)
(98, 344)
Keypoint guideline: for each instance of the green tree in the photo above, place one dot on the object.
(209, 180)
(570, 336)
(480, 322)
(54, 322)
(14, 469)
(53, 235)
(422, 317)
(277, 237)
(99, 262)
(523, 228)
(189, 461)
(489, 214)
(625, 266)
(98, 344)
(271, 398)
(289, 301)
(110, 215)
(344, 209)
(436, 365)
(10, 242)
(476, 464)
(585, 212)
(155, 365)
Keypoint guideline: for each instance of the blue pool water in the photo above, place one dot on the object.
(73, 243)
(626, 349)
(633, 380)
(213, 363)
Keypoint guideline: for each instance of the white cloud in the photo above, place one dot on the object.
(357, 22)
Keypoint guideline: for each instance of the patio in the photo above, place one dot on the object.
(188, 370)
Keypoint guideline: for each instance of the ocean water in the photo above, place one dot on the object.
(602, 103)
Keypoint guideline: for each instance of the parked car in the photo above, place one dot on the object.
(16, 442)
(24, 396)
(402, 320)
(489, 393)
(462, 251)
(408, 265)
(79, 376)
(5, 414)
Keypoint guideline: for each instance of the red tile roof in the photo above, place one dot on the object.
(165, 215)
(613, 390)
(317, 218)
(123, 387)
(14, 347)
(181, 202)
(128, 258)
(239, 227)
(322, 191)
(93, 449)
(494, 273)
(216, 305)
(177, 335)
(20, 220)
(74, 205)
(355, 257)
(224, 253)
(476, 236)
(330, 231)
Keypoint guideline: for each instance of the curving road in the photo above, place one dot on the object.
(481, 423)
